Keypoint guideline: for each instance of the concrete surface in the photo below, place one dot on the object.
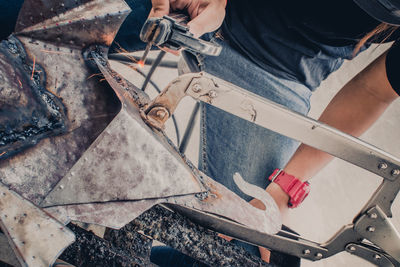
(340, 190)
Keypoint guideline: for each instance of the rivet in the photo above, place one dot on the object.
(318, 255)
(382, 166)
(377, 257)
(352, 248)
(371, 229)
(61, 187)
(306, 252)
(213, 94)
(373, 215)
(395, 172)
(197, 88)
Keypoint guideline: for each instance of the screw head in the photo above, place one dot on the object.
(377, 257)
(213, 94)
(395, 172)
(382, 166)
(161, 113)
(371, 229)
(318, 255)
(352, 248)
(197, 88)
(373, 215)
(306, 252)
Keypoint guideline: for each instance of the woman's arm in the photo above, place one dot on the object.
(353, 110)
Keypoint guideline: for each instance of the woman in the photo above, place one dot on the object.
(282, 50)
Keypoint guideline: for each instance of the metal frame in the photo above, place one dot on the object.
(370, 236)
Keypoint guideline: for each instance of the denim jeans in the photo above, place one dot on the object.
(230, 144)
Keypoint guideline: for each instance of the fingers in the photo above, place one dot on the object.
(209, 19)
(160, 8)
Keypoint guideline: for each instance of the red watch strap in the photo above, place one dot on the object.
(296, 189)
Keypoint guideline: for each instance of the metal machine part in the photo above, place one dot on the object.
(371, 223)
(168, 32)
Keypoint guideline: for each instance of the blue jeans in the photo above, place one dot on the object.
(230, 144)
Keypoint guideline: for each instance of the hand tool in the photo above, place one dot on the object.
(172, 33)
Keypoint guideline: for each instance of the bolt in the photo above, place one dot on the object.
(197, 88)
(318, 255)
(382, 166)
(371, 229)
(352, 248)
(212, 94)
(373, 215)
(306, 252)
(395, 172)
(377, 257)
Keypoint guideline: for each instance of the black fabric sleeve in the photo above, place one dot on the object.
(393, 66)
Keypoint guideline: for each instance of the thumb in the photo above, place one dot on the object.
(160, 8)
(208, 20)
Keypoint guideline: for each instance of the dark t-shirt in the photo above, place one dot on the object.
(302, 40)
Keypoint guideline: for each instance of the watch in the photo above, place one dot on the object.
(296, 189)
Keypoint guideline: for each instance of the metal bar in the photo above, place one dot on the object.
(270, 115)
(189, 128)
(153, 69)
(376, 227)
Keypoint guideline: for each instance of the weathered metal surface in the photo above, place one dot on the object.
(90, 250)
(6, 252)
(28, 112)
(126, 162)
(90, 107)
(191, 239)
(215, 205)
(36, 238)
(73, 23)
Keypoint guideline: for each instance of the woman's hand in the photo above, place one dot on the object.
(206, 15)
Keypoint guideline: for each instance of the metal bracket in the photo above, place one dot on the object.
(375, 226)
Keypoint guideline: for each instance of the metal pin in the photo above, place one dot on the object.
(318, 255)
(373, 215)
(352, 248)
(395, 172)
(377, 257)
(306, 252)
(197, 88)
(382, 166)
(371, 229)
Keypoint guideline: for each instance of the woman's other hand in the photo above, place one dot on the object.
(206, 15)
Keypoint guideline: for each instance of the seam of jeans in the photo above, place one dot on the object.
(203, 139)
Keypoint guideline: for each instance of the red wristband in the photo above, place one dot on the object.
(296, 189)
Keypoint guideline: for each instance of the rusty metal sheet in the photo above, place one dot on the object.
(126, 162)
(219, 201)
(36, 238)
(89, 104)
(75, 26)
(28, 112)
